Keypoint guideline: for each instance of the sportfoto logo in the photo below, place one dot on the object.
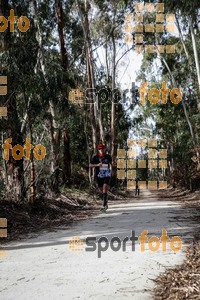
(102, 244)
(105, 95)
(128, 165)
(136, 23)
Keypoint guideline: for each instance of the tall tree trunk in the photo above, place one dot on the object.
(171, 166)
(95, 114)
(186, 114)
(183, 103)
(67, 157)
(102, 135)
(87, 143)
(107, 65)
(55, 131)
(196, 58)
(113, 110)
(113, 133)
(32, 173)
(16, 186)
(15, 168)
(188, 56)
(85, 27)
(64, 60)
(63, 52)
(5, 37)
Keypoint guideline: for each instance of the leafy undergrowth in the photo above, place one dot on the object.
(182, 282)
(46, 213)
(178, 194)
(51, 212)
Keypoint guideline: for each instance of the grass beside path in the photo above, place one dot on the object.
(49, 213)
(182, 282)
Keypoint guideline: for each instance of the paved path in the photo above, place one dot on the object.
(46, 267)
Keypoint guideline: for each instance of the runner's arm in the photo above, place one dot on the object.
(94, 162)
(95, 165)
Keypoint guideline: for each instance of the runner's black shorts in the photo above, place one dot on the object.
(101, 181)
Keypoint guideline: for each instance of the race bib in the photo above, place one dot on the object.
(104, 171)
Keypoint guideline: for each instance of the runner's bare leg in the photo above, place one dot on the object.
(105, 195)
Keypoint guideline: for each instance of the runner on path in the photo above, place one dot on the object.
(102, 162)
(137, 190)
